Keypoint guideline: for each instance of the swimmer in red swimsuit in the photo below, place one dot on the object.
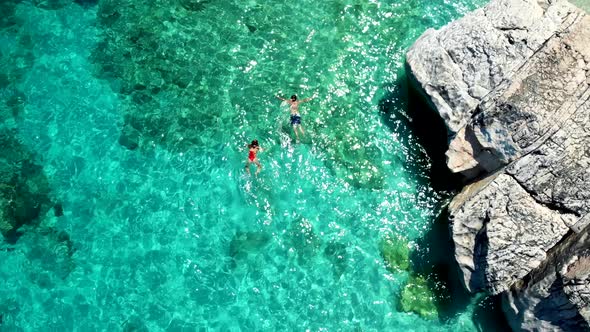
(253, 149)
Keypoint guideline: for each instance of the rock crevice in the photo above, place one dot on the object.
(566, 212)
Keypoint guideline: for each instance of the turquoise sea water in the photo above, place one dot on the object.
(584, 4)
(133, 117)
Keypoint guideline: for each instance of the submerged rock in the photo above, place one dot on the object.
(52, 253)
(51, 4)
(417, 297)
(244, 243)
(303, 240)
(9, 308)
(251, 28)
(336, 253)
(86, 3)
(352, 161)
(512, 82)
(4, 81)
(129, 137)
(15, 103)
(194, 5)
(5, 225)
(58, 210)
(395, 253)
(7, 19)
(24, 189)
(134, 324)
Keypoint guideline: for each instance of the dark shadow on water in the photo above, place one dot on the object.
(405, 111)
(435, 258)
(488, 315)
(408, 113)
(86, 3)
(12, 236)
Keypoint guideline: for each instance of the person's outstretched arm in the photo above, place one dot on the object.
(280, 98)
(308, 99)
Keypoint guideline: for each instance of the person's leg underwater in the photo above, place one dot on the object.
(247, 167)
(295, 130)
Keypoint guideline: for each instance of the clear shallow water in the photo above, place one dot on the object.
(584, 4)
(173, 234)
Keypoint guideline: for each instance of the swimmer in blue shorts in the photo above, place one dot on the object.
(295, 116)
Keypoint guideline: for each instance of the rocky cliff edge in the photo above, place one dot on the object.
(512, 82)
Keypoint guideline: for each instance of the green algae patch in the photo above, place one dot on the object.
(417, 297)
(362, 175)
(355, 163)
(395, 253)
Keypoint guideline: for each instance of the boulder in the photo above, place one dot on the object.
(463, 62)
(555, 296)
(512, 82)
(501, 233)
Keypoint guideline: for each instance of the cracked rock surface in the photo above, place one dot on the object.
(555, 296)
(512, 82)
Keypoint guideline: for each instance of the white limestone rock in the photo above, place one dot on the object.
(460, 64)
(537, 101)
(498, 237)
(512, 82)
